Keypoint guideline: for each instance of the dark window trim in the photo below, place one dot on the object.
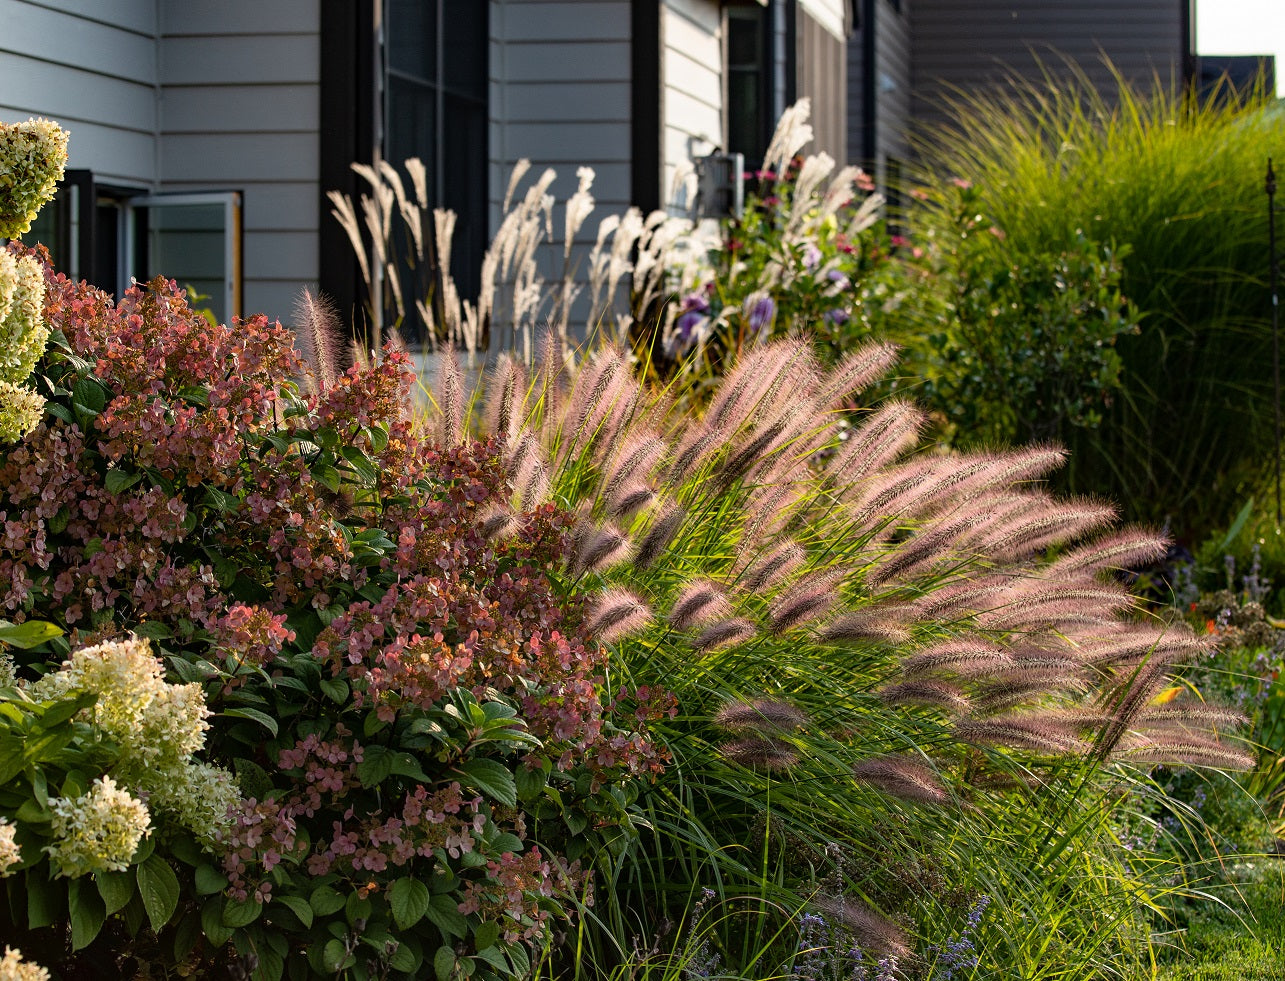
(644, 97)
(347, 136)
(869, 98)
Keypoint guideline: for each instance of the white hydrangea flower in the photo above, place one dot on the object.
(20, 411)
(33, 156)
(8, 674)
(10, 854)
(157, 725)
(198, 796)
(97, 832)
(14, 968)
(23, 332)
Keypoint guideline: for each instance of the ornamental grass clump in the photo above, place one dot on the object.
(882, 659)
(411, 742)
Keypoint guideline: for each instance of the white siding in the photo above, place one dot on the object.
(691, 74)
(240, 111)
(91, 65)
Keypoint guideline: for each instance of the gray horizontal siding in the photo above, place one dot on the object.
(540, 21)
(973, 49)
(539, 102)
(91, 67)
(240, 110)
(586, 61)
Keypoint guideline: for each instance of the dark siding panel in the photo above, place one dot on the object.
(822, 76)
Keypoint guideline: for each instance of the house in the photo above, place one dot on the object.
(906, 56)
(205, 135)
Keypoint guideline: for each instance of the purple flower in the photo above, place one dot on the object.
(836, 317)
(811, 257)
(761, 313)
(838, 278)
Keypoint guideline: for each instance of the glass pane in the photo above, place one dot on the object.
(464, 170)
(411, 29)
(188, 243)
(52, 228)
(412, 124)
(464, 51)
(744, 38)
(745, 122)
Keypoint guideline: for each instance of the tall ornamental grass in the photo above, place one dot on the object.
(1173, 187)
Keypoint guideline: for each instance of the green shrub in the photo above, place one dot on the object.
(1174, 191)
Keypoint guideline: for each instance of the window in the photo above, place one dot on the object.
(109, 235)
(436, 79)
(749, 122)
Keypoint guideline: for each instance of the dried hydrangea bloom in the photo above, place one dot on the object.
(14, 968)
(10, 854)
(33, 156)
(98, 831)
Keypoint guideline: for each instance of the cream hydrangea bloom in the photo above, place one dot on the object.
(96, 832)
(156, 724)
(20, 411)
(10, 854)
(33, 156)
(23, 332)
(198, 796)
(14, 968)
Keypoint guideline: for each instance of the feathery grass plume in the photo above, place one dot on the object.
(1129, 698)
(1033, 731)
(879, 440)
(768, 570)
(998, 471)
(1184, 749)
(693, 451)
(1066, 521)
(617, 613)
(697, 604)
(498, 522)
(755, 389)
(933, 542)
(1127, 548)
(760, 752)
(1020, 686)
(762, 715)
(318, 339)
(507, 390)
(663, 528)
(1032, 603)
(450, 383)
(638, 456)
(1125, 643)
(601, 548)
(856, 372)
(528, 471)
(791, 135)
(1187, 713)
(876, 933)
(928, 694)
(811, 598)
(724, 633)
(961, 658)
(884, 623)
(901, 776)
(628, 499)
(956, 599)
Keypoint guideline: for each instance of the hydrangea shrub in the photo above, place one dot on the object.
(408, 704)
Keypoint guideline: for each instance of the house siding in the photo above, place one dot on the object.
(239, 110)
(92, 66)
(971, 48)
(892, 85)
(822, 77)
(691, 93)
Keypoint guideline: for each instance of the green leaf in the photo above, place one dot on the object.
(120, 480)
(327, 476)
(444, 914)
(406, 765)
(31, 633)
(186, 935)
(153, 630)
(492, 779)
(241, 913)
(209, 880)
(493, 956)
(252, 778)
(212, 925)
(298, 906)
(486, 934)
(378, 438)
(336, 956)
(409, 901)
(86, 912)
(158, 885)
(444, 963)
(336, 689)
(116, 888)
(325, 900)
(88, 394)
(376, 765)
(529, 782)
(265, 720)
(46, 899)
(404, 959)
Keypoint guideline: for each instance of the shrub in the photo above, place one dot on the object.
(1173, 189)
(392, 689)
